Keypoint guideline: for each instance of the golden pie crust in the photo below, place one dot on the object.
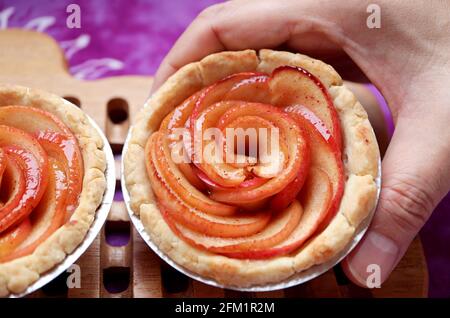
(18, 274)
(360, 156)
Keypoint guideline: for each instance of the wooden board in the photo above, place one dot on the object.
(35, 60)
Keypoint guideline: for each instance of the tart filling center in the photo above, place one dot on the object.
(249, 167)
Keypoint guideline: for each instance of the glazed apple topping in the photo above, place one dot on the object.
(41, 172)
(249, 167)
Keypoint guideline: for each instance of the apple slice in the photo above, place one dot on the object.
(309, 122)
(280, 227)
(297, 152)
(282, 199)
(11, 136)
(223, 226)
(325, 155)
(296, 86)
(178, 184)
(9, 240)
(178, 117)
(34, 187)
(12, 186)
(31, 119)
(66, 151)
(252, 89)
(316, 199)
(48, 216)
(247, 86)
(255, 205)
(33, 161)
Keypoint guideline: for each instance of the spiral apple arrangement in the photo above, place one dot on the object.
(41, 172)
(254, 208)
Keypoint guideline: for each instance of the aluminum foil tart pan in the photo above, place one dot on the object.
(296, 279)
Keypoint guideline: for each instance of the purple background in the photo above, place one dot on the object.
(134, 36)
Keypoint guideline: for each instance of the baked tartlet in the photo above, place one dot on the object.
(252, 222)
(52, 181)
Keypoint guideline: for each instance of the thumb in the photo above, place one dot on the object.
(415, 178)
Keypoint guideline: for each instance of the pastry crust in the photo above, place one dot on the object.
(17, 275)
(360, 152)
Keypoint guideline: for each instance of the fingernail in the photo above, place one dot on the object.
(375, 249)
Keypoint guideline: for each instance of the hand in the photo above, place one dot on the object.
(407, 59)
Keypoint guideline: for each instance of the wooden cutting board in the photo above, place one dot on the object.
(35, 60)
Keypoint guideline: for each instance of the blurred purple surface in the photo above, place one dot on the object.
(132, 37)
(137, 34)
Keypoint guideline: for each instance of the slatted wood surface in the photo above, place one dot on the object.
(133, 270)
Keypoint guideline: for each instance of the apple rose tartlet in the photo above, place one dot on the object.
(51, 180)
(247, 169)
